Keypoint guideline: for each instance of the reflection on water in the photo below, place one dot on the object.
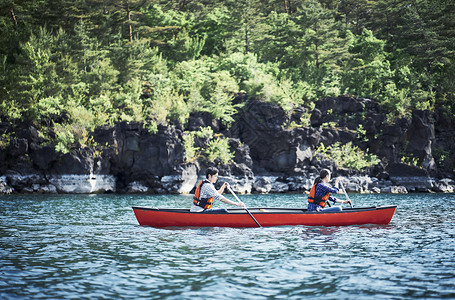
(85, 247)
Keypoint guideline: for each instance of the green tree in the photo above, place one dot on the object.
(319, 50)
(420, 37)
(215, 26)
(355, 13)
(246, 25)
(320, 41)
(368, 71)
(36, 75)
(172, 32)
(278, 44)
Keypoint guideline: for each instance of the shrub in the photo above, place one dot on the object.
(191, 152)
(347, 156)
(212, 148)
(64, 138)
(218, 148)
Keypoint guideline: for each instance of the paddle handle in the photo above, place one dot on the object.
(344, 191)
(232, 192)
(235, 196)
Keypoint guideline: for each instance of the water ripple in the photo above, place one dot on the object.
(90, 247)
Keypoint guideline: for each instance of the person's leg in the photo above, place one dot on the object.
(216, 210)
(333, 208)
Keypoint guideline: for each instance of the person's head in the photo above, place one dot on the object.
(324, 175)
(211, 174)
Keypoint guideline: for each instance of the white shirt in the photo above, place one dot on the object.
(208, 190)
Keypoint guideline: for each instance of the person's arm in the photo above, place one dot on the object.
(221, 190)
(227, 201)
(335, 200)
(327, 189)
(334, 190)
(217, 195)
(337, 182)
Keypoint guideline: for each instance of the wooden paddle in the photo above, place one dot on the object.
(344, 191)
(232, 192)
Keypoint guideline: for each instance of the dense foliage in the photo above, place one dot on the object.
(70, 66)
(347, 156)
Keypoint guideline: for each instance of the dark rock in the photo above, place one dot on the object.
(414, 179)
(44, 157)
(198, 120)
(443, 148)
(241, 152)
(77, 162)
(104, 135)
(139, 155)
(419, 138)
(347, 112)
(273, 148)
(403, 170)
(18, 147)
(23, 165)
(24, 183)
(316, 118)
(297, 114)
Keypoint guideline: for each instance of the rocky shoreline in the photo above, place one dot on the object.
(86, 184)
(274, 152)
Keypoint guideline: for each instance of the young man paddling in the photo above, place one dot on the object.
(320, 193)
(206, 193)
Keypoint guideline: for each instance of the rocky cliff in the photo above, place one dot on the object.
(274, 152)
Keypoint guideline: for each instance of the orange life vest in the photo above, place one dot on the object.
(318, 200)
(204, 202)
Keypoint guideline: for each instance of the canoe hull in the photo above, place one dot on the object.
(267, 217)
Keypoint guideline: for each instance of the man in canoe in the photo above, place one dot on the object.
(319, 195)
(206, 193)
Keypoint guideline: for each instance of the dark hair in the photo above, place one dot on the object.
(211, 171)
(322, 174)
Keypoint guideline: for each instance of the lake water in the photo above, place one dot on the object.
(91, 247)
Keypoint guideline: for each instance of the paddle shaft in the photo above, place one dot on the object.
(344, 191)
(232, 192)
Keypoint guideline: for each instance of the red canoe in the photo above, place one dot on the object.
(238, 217)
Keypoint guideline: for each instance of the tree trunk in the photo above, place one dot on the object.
(13, 17)
(130, 26)
(246, 38)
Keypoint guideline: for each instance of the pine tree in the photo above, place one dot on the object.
(246, 24)
(320, 42)
(355, 13)
(278, 43)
